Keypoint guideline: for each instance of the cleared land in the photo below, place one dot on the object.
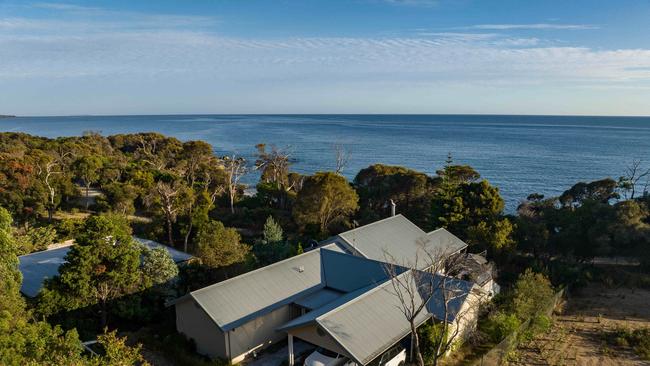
(576, 337)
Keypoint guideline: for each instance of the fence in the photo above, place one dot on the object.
(499, 353)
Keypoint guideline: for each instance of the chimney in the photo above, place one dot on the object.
(392, 207)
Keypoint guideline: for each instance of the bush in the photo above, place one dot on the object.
(638, 340)
(67, 228)
(500, 325)
(533, 292)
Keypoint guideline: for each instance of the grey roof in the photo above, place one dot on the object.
(177, 255)
(319, 298)
(368, 321)
(399, 240)
(235, 301)
(39, 266)
(347, 273)
(446, 242)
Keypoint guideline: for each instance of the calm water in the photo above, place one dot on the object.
(519, 154)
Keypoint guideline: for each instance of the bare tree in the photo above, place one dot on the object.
(48, 170)
(424, 291)
(168, 195)
(633, 175)
(235, 168)
(342, 156)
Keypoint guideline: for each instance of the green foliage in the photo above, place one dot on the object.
(158, 267)
(602, 191)
(116, 352)
(499, 325)
(36, 239)
(430, 336)
(325, 199)
(532, 293)
(473, 211)
(218, 246)
(67, 228)
(27, 342)
(271, 248)
(272, 231)
(10, 278)
(637, 339)
(103, 266)
(411, 190)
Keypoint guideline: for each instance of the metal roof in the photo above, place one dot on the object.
(398, 238)
(319, 298)
(37, 267)
(370, 320)
(235, 301)
(347, 273)
(177, 255)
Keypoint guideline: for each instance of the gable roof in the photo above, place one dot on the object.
(368, 321)
(399, 238)
(317, 277)
(235, 301)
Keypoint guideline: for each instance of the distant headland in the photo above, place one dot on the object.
(7, 116)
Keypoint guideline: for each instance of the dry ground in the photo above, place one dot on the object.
(576, 335)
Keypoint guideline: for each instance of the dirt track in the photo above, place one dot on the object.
(576, 336)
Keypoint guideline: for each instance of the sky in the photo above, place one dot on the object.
(356, 56)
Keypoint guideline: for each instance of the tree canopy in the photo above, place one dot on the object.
(325, 199)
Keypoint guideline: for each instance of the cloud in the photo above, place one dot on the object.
(140, 57)
(533, 26)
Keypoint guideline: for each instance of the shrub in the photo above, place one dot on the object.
(500, 325)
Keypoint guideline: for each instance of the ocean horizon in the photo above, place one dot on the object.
(520, 154)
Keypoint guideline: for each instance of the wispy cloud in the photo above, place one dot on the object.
(539, 26)
(127, 51)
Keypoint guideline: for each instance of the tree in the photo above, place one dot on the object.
(24, 341)
(87, 168)
(474, 212)
(602, 191)
(411, 190)
(158, 266)
(275, 176)
(49, 170)
(117, 352)
(272, 247)
(272, 231)
(342, 158)
(218, 246)
(170, 196)
(235, 169)
(633, 175)
(419, 291)
(10, 277)
(532, 293)
(103, 266)
(326, 198)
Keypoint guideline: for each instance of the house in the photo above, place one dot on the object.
(39, 266)
(398, 240)
(337, 296)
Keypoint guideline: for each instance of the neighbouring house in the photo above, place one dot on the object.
(38, 266)
(337, 296)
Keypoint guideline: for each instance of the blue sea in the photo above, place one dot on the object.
(519, 154)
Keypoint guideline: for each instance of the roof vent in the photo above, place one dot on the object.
(301, 269)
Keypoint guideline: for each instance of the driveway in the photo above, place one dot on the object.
(279, 356)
